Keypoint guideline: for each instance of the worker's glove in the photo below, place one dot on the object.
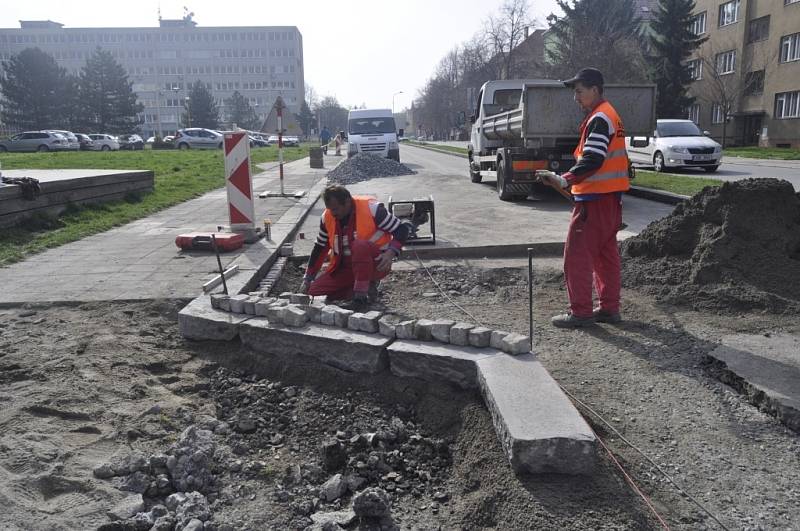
(383, 262)
(552, 177)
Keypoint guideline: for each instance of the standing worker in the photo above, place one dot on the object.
(324, 138)
(361, 238)
(597, 182)
(339, 140)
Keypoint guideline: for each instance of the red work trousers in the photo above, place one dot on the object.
(591, 254)
(352, 274)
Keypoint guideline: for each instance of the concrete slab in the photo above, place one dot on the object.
(344, 349)
(766, 369)
(199, 321)
(434, 362)
(539, 428)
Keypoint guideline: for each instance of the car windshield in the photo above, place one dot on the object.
(678, 129)
(366, 126)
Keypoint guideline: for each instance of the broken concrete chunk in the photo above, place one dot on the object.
(333, 489)
(129, 506)
(387, 324)
(459, 334)
(480, 337)
(496, 340)
(237, 303)
(423, 330)
(369, 322)
(405, 329)
(216, 300)
(299, 298)
(294, 315)
(441, 330)
(516, 344)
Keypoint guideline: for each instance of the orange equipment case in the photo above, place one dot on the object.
(201, 241)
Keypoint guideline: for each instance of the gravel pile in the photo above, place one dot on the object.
(730, 248)
(363, 167)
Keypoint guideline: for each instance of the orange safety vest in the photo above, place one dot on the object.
(365, 229)
(612, 176)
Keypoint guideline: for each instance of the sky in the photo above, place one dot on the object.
(361, 52)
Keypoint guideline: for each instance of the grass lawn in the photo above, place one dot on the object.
(179, 176)
(670, 182)
(763, 153)
(441, 147)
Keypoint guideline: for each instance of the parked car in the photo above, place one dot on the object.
(272, 140)
(103, 142)
(257, 141)
(74, 145)
(130, 142)
(291, 141)
(675, 144)
(198, 138)
(35, 141)
(85, 142)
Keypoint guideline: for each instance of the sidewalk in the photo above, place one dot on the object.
(140, 260)
(767, 163)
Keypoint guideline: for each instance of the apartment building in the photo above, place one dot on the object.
(747, 74)
(261, 62)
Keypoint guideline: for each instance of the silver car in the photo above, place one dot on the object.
(104, 142)
(35, 141)
(74, 143)
(198, 138)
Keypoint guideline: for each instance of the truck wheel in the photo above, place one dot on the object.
(474, 176)
(502, 189)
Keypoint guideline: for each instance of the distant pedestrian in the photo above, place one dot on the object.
(339, 140)
(324, 136)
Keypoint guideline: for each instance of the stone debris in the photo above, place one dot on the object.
(333, 489)
(363, 167)
(340, 518)
(480, 337)
(189, 461)
(372, 503)
(127, 507)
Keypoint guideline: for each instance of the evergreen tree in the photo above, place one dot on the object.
(241, 112)
(33, 90)
(671, 44)
(605, 35)
(201, 109)
(306, 119)
(107, 99)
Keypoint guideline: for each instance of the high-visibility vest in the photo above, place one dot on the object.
(612, 176)
(365, 229)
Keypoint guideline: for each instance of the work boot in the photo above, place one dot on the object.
(604, 316)
(359, 304)
(568, 320)
(372, 293)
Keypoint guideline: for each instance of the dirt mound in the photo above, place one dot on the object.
(730, 248)
(363, 167)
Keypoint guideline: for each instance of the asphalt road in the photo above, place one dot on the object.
(731, 169)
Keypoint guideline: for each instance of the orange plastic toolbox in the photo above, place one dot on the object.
(201, 241)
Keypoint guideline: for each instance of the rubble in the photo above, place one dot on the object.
(362, 167)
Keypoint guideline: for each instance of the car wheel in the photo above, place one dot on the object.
(219, 146)
(710, 169)
(474, 176)
(105, 148)
(43, 148)
(658, 162)
(183, 145)
(502, 189)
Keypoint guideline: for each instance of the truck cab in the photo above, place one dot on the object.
(372, 131)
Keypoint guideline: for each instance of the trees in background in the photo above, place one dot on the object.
(241, 113)
(200, 110)
(105, 96)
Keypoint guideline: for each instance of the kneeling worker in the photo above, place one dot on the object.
(361, 238)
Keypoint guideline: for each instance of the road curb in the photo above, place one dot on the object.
(446, 152)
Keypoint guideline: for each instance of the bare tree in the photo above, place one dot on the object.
(505, 32)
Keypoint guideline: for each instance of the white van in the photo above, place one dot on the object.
(372, 131)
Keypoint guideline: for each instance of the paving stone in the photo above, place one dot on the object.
(405, 329)
(496, 340)
(435, 362)
(294, 315)
(344, 349)
(369, 322)
(354, 321)
(540, 430)
(327, 316)
(262, 305)
(341, 317)
(387, 325)
(516, 344)
(441, 330)
(314, 311)
(299, 298)
(422, 330)
(275, 313)
(250, 305)
(323, 299)
(225, 304)
(198, 320)
(459, 334)
(237, 303)
(216, 300)
(285, 295)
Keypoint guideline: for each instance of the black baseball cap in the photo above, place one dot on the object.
(589, 77)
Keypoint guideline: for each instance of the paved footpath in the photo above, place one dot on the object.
(140, 260)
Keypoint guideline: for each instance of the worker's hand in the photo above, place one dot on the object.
(304, 287)
(384, 261)
(553, 179)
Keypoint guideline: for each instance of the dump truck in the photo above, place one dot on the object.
(520, 126)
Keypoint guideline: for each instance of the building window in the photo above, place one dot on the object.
(726, 62)
(787, 104)
(695, 68)
(754, 83)
(790, 48)
(729, 12)
(693, 113)
(717, 115)
(758, 29)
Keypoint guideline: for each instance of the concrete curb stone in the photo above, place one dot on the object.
(441, 330)
(480, 337)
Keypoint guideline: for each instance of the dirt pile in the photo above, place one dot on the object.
(363, 167)
(730, 248)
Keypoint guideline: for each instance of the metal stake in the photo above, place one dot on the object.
(219, 263)
(530, 296)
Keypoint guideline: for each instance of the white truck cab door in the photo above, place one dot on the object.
(475, 131)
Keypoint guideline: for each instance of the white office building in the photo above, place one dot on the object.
(261, 62)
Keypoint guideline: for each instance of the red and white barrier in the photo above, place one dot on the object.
(239, 183)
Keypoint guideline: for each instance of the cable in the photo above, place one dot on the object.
(604, 421)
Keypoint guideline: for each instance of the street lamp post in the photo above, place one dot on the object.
(393, 95)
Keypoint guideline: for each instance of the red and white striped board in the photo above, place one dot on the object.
(239, 184)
